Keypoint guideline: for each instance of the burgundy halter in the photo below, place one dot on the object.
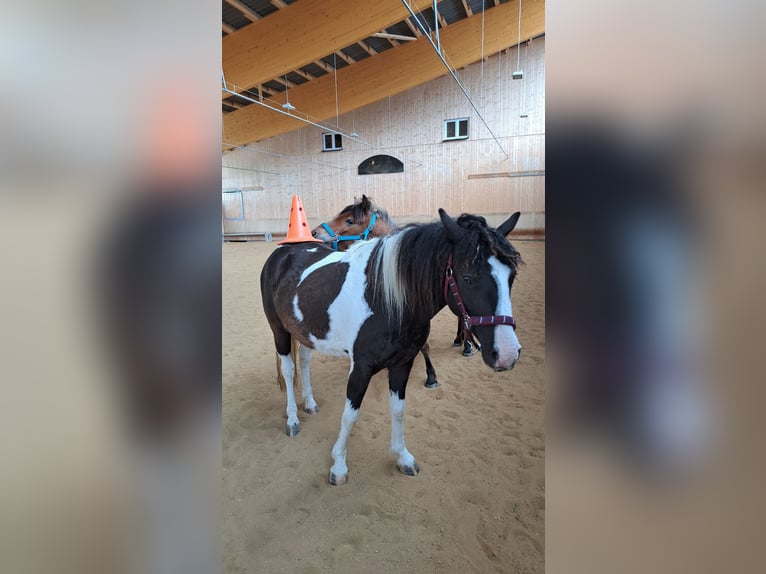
(468, 321)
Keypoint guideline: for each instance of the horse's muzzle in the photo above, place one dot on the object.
(321, 235)
(504, 363)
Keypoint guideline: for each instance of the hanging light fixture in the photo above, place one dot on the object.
(517, 73)
(287, 105)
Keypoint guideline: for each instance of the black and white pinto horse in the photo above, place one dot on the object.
(374, 303)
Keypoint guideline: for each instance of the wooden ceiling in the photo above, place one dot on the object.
(274, 50)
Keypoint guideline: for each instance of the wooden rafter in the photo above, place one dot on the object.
(345, 57)
(278, 4)
(247, 12)
(256, 93)
(393, 41)
(303, 33)
(284, 81)
(415, 29)
(362, 44)
(388, 36)
(226, 28)
(390, 72)
(467, 9)
(304, 75)
(327, 68)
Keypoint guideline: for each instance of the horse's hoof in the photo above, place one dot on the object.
(311, 411)
(292, 430)
(457, 343)
(338, 480)
(469, 352)
(432, 384)
(408, 470)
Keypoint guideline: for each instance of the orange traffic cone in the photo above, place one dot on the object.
(298, 228)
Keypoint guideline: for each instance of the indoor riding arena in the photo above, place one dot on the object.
(415, 106)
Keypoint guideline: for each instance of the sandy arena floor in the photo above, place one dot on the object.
(478, 503)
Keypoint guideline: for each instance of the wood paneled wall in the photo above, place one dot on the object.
(409, 127)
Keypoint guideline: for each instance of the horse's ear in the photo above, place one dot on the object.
(507, 226)
(454, 231)
(365, 203)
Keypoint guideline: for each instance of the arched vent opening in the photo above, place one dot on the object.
(380, 164)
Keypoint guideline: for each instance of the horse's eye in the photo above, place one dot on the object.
(349, 222)
(466, 279)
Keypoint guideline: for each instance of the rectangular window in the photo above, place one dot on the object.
(332, 142)
(456, 129)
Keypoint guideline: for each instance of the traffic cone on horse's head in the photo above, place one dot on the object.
(298, 228)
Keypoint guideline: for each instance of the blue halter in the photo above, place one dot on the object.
(338, 238)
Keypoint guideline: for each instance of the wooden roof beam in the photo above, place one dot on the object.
(388, 36)
(255, 93)
(285, 82)
(390, 72)
(327, 68)
(302, 33)
(415, 29)
(228, 29)
(467, 9)
(345, 57)
(304, 75)
(363, 45)
(247, 12)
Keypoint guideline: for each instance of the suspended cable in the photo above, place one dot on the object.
(281, 155)
(455, 77)
(335, 69)
(335, 129)
(518, 43)
(481, 82)
(249, 169)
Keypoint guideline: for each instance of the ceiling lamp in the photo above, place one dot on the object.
(517, 73)
(287, 105)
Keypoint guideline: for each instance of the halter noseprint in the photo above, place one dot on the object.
(451, 285)
(339, 238)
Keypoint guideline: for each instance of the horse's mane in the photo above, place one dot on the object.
(482, 234)
(414, 257)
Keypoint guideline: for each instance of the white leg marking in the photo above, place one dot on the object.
(304, 355)
(339, 469)
(287, 366)
(506, 343)
(404, 460)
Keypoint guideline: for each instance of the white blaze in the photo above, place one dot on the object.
(506, 343)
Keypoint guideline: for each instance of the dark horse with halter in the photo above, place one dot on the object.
(374, 304)
(364, 220)
(358, 222)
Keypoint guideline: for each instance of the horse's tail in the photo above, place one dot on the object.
(296, 372)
